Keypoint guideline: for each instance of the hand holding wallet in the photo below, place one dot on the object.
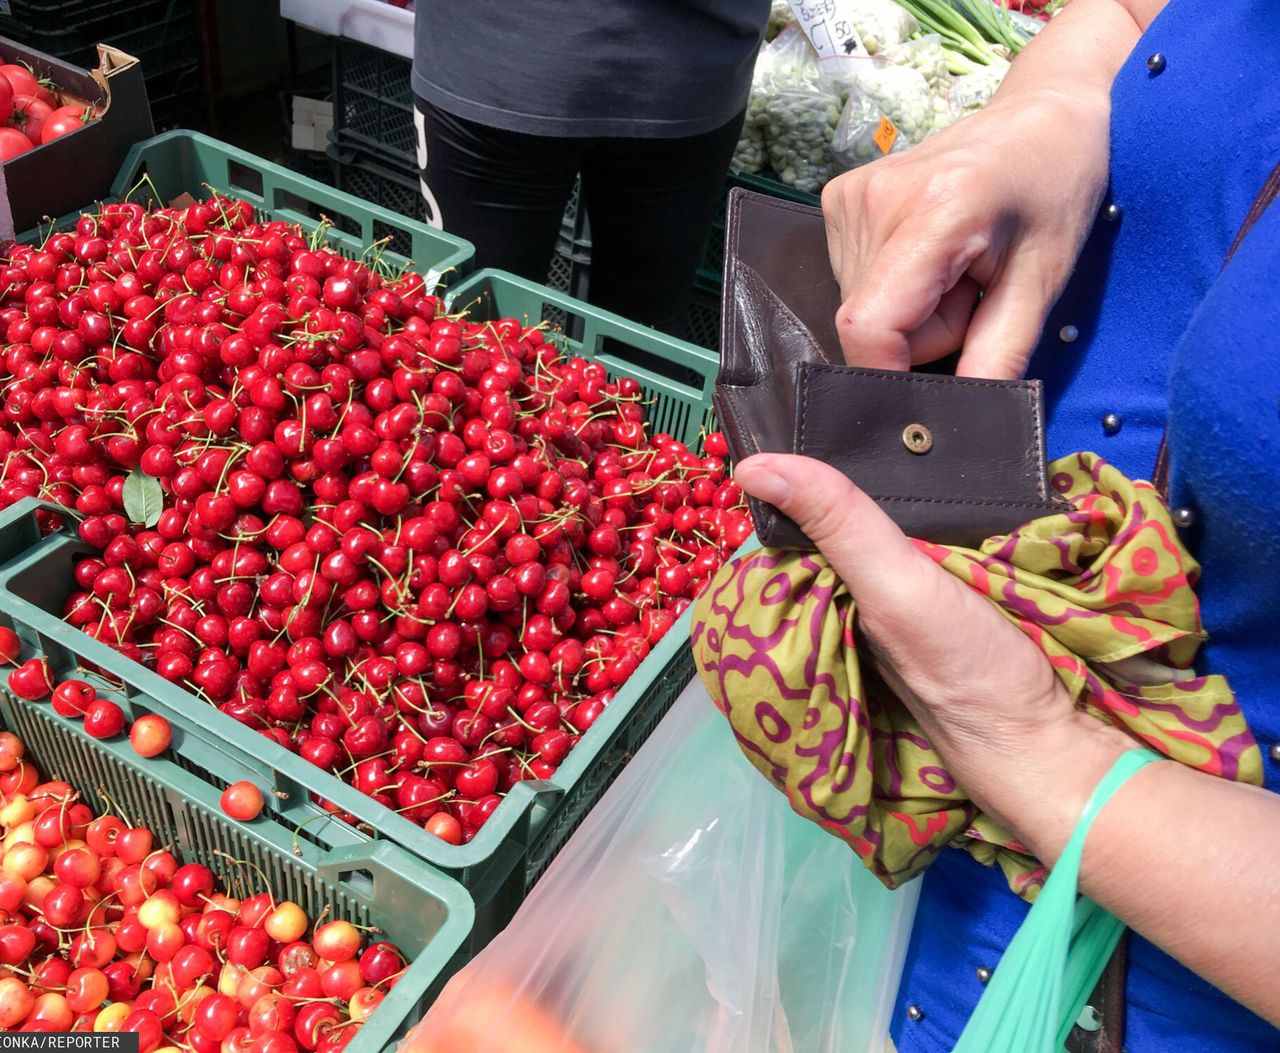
(953, 460)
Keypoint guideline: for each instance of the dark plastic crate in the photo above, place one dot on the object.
(373, 104)
(703, 320)
(711, 267)
(570, 267)
(368, 176)
(174, 95)
(160, 33)
(428, 915)
(313, 164)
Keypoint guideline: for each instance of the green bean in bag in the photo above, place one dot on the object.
(1106, 591)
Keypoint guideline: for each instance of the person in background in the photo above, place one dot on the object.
(643, 100)
(1093, 202)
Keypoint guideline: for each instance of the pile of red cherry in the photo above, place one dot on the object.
(419, 550)
(103, 930)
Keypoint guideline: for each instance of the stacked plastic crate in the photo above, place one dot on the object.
(373, 144)
(161, 34)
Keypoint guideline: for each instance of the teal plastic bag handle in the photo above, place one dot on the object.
(1057, 955)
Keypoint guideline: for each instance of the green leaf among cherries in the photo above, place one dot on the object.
(143, 498)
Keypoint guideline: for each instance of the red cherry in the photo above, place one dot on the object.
(31, 680)
(150, 735)
(104, 719)
(242, 800)
(72, 698)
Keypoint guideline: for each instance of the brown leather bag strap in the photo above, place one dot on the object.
(1268, 194)
(1106, 1035)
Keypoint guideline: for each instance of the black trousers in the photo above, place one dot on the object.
(649, 202)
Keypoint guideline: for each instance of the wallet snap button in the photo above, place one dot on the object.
(916, 438)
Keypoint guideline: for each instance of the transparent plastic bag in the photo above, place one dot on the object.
(880, 24)
(943, 115)
(926, 57)
(890, 108)
(971, 92)
(780, 16)
(798, 114)
(749, 155)
(692, 912)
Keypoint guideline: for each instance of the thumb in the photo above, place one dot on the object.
(873, 557)
(928, 630)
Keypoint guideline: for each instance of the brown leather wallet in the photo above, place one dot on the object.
(951, 459)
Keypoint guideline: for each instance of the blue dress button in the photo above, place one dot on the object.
(1156, 64)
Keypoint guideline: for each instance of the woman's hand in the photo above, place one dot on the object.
(1185, 858)
(982, 691)
(1000, 203)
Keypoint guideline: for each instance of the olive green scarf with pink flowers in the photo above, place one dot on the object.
(1104, 589)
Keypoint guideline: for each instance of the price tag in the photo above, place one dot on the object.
(886, 135)
(829, 26)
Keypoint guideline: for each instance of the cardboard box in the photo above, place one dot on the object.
(312, 123)
(77, 169)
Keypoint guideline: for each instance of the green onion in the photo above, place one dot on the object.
(937, 16)
(972, 29)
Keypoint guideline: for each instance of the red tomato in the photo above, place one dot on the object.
(24, 82)
(29, 115)
(63, 121)
(6, 99)
(12, 143)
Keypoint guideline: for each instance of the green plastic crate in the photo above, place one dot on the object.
(188, 162)
(513, 848)
(678, 378)
(711, 267)
(426, 914)
(535, 819)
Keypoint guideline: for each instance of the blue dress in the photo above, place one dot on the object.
(1150, 331)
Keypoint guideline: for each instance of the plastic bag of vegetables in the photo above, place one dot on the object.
(943, 115)
(691, 912)
(890, 108)
(970, 92)
(749, 154)
(925, 55)
(780, 16)
(799, 112)
(880, 24)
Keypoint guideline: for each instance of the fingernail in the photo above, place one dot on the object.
(764, 484)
